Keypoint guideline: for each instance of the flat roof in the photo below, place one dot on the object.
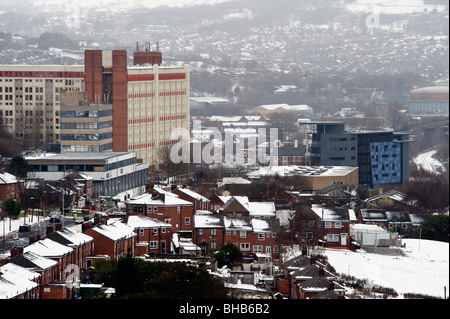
(75, 156)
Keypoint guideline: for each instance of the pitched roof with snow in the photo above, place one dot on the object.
(138, 221)
(242, 204)
(208, 221)
(115, 231)
(7, 178)
(378, 215)
(334, 213)
(48, 248)
(33, 261)
(193, 194)
(16, 280)
(159, 200)
(70, 237)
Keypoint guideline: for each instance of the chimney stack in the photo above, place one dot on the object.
(304, 251)
(321, 272)
(16, 251)
(331, 285)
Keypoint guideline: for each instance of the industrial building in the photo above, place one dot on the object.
(381, 156)
(429, 100)
(148, 101)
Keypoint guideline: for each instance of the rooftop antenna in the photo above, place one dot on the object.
(147, 46)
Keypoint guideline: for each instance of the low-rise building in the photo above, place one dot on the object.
(115, 240)
(112, 172)
(153, 236)
(9, 186)
(165, 207)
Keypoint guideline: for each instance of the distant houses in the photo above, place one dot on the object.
(177, 222)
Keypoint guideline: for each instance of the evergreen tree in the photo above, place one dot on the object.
(436, 228)
(229, 254)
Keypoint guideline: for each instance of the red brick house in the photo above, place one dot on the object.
(209, 231)
(17, 282)
(153, 236)
(198, 201)
(115, 240)
(51, 249)
(165, 207)
(45, 267)
(241, 206)
(9, 186)
(82, 244)
(335, 222)
(252, 236)
(216, 202)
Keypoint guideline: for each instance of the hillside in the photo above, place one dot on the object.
(422, 267)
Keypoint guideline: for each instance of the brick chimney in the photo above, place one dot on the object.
(304, 251)
(33, 238)
(331, 285)
(321, 271)
(16, 251)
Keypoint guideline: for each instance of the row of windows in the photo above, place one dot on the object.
(336, 224)
(86, 125)
(86, 114)
(88, 148)
(86, 137)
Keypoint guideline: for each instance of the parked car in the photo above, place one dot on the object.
(24, 228)
(55, 220)
(79, 220)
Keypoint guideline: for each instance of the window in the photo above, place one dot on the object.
(141, 232)
(338, 225)
(257, 248)
(200, 232)
(333, 238)
(213, 245)
(187, 221)
(261, 236)
(243, 234)
(327, 225)
(155, 231)
(244, 247)
(178, 209)
(154, 245)
(155, 210)
(213, 232)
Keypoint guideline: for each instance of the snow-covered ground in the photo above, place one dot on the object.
(424, 268)
(428, 162)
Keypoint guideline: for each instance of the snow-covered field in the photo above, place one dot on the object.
(424, 268)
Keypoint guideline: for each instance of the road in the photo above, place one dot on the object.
(13, 239)
(427, 162)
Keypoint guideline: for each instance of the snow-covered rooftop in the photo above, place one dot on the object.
(48, 248)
